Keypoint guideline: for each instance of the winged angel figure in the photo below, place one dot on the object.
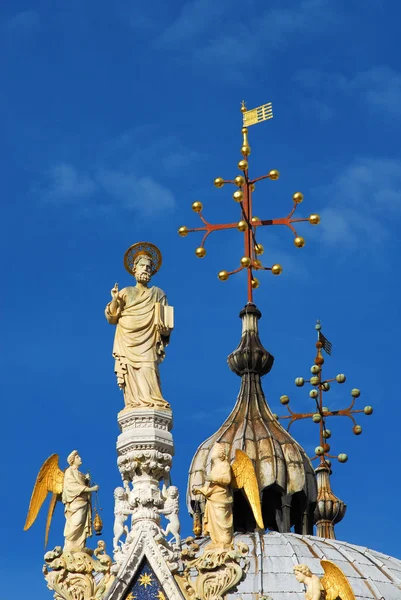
(222, 479)
(72, 488)
(332, 586)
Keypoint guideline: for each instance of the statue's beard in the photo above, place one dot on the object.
(143, 277)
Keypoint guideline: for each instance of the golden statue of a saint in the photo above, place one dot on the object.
(144, 322)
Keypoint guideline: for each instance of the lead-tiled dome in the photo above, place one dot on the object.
(272, 556)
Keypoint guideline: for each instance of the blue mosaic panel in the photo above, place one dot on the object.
(145, 585)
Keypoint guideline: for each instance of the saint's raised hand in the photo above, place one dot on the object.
(114, 291)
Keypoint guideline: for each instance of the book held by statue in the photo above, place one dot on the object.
(164, 315)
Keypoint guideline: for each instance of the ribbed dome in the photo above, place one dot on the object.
(285, 475)
(272, 556)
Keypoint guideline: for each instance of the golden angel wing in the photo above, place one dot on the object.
(335, 583)
(244, 477)
(50, 479)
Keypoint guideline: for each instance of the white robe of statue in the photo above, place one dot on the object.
(138, 346)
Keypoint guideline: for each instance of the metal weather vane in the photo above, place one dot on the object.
(320, 386)
(248, 223)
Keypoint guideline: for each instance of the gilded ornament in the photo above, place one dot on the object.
(255, 283)
(183, 231)
(342, 458)
(245, 150)
(243, 165)
(274, 174)
(313, 393)
(299, 381)
(253, 187)
(357, 429)
(238, 196)
(368, 410)
(314, 219)
(277, 269)
(242, 226)
(340, 378)
(319, 450)
(239, 180)
(299, 242)
(197, 207)
(219, 182)
(223, 275)
(326, 433)
(325, 386)
(284, 400)
(200, 252)
(245, 261)
(355, 393)
(315, 369)
(316, 418)
(298, 197)
(314, 380)
(255, 220)
(259, 249)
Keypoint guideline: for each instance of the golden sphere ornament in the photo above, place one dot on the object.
(315, 369)
(342, 458)
(298, 197)
(299, 381)
(326, 434)
(255, 283)
(277, 269)
(223, 275)
(325, 386)
(245, 261)
(238, 196)
(316, 418)
(245, 150)
(314, 380)
(259, 249)
(253, 187)
(325, 410)
(257, 264)
(284, 400)
(219, 182)
(357, 429)
(340, 378)
(274, 174)
(243, 165)
(255, 220)
(197, 207)
(313, 393)
(242, 226)
(314, 219)
(239, 180)
(299, 242)
(326, 447)
(368, 410)
(183, 231)
(355, 393)
(200, 252)
(319, 450)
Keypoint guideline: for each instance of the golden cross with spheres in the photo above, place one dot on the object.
(320, 386)
(248, 223)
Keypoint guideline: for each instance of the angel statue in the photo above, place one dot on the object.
(73, 489)
(170, 510)
(332, 586)
(222, 479)
(144, 323)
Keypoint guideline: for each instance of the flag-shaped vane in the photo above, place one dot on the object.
(257, 115)
(327, 346)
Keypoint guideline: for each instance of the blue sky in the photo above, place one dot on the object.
(115, 118)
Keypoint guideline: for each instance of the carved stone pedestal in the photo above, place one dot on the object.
(145, 450)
